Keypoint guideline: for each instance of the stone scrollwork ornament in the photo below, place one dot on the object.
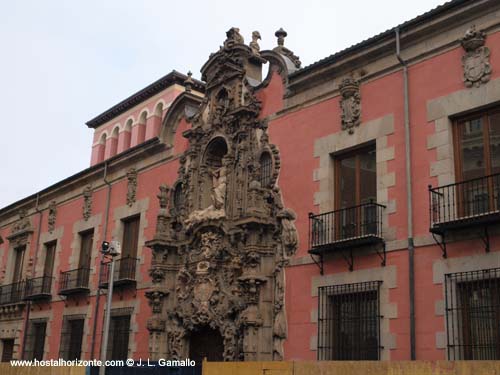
(475, 62)
(350, 104)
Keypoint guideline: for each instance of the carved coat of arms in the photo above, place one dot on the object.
(475, 62)
(350, 104)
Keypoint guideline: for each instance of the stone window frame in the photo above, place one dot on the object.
(92, 223)
(440, 267)
(440, 113)
(377, 131)
(45, 238)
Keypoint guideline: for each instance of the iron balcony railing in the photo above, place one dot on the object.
(74, 281)
(124, 273)
(343, 227)
(38, 287)
(12, 293)
(463, 203)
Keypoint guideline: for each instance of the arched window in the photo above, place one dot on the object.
(266, 166)
(102, 148)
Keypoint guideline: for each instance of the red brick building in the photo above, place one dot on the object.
(349, 209)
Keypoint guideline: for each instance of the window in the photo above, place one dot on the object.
(119, 330)
(17, 271)
(127, 263)
(356, 194)
(35, 340)
(86, 243)
(266, 166)
(71, 337)
(473, 314)
(477, 145)
(7, 350)
(349, 322)
(477, 158)
(50, 251)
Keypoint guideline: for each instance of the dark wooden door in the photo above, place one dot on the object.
(206, 343)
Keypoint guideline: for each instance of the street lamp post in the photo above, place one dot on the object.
(113, 250)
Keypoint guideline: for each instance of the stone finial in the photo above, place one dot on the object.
(254, 45)
(188, 83)
(281, 35)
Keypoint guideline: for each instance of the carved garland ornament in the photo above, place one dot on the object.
(52, 216)
(87, 202)
(350, 104)
(475, 62)
(131, 186)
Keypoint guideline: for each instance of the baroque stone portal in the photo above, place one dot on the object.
(223, 235)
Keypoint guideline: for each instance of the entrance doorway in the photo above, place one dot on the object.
(206, 343)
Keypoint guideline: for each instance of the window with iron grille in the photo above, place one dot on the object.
(119, 331)
(473, 314)
(71, 337)
(266, 169)
(7, 350)
(35, 339)
(349, 321)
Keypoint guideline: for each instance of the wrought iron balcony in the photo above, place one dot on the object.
(345, 229)
(74, 281)
(38, 288)
(468, 203)
(12, 293)
(124, 272)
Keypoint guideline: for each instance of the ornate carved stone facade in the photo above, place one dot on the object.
(476, 61)
(218, 262)
(350, 104)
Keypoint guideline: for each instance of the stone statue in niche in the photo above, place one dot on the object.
(216, 209)
(476, 64)
(350, 104)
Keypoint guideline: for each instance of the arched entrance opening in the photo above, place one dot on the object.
(206, 342)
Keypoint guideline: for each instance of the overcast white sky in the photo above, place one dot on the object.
(64, 62)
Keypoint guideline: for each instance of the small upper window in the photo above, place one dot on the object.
(266, 166)
(177, 197)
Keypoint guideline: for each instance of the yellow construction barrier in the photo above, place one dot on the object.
(7, 369)
(353, 368)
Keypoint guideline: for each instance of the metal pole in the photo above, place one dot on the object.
(104, 346)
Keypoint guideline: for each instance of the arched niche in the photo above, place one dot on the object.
(213, 171)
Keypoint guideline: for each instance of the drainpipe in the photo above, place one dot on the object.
(105, 230)
(409, 199)
(28, 304)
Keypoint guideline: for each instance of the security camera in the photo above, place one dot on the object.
(115, 248)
